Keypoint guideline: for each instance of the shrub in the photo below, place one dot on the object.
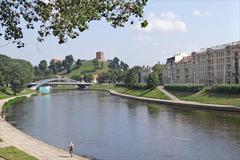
(134, 86)
(185, 88)
(230, 89)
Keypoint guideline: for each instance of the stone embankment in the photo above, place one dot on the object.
(42, 151)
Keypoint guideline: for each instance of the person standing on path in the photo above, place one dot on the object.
(71, 146)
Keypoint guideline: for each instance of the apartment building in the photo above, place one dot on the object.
(214, 65)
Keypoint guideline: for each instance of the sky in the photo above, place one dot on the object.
(174, 26)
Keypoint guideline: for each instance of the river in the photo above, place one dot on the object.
(112, 128)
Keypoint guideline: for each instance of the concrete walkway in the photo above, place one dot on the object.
(171, 96)
(13, 137)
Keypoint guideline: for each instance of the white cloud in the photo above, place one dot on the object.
(166, 22)
(200, 13)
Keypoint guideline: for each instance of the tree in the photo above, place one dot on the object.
(15, 73)
(114, 64)
(132, 76)
(96, 63)
(102, 78)
(43, 66)
(1, 79)
(158, 69)
(152, 80)
(79, 63)
(68, 62)
(64, 18)
(112, 75)
(88, 77)
(55, 66)
(121, 76)
(124, 66)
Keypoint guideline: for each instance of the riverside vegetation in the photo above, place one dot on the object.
(141, 92)
(219, 94)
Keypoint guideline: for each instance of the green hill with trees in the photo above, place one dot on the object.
(89, 67)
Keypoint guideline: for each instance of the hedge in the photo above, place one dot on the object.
(185, 88)
(230, 89)
(134, 86)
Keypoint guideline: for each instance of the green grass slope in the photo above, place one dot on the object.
(88, 67)
(12, 153)
(204, 96)
(149, 93)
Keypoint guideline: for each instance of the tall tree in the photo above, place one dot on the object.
(152, 80)
(114, 64)
(79, 63)
(64, 18)
(68, 62)
(43, 66)
(55, 66)
(96, 63)
(124, 66)
(158, 70)
(15, 72)
(132, 76)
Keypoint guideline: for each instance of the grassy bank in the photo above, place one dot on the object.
(11, 102)
(12, 153)
(205, 96)
(150, 93)
(9, 93)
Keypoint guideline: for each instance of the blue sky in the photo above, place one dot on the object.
(174, 26)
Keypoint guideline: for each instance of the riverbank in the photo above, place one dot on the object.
(148, 93)
(205, 96)
(36, 148)
(180, 103)
(7, 93)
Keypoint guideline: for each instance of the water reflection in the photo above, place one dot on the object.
(114, 128)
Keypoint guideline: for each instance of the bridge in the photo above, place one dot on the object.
(57, 81)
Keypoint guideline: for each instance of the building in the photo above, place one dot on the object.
(100, 56)
(56, 60)
(44, 89)
(145, 71)
(214, 65)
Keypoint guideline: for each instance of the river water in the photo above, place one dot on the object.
(113, 128)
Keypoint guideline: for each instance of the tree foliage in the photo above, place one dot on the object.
(68, 62)
(96, 63)
(15, 73)
(158, 69)
(55, 66)
(64, 18)
(152, 80)
(88, 77)
(132, 76)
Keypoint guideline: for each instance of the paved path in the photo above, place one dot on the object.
(171, 96)
(12, 136)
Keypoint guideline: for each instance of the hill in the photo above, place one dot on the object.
(88, 67)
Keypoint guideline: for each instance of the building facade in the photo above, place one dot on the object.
(145, 71)
(100, 56)
(214, 65)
